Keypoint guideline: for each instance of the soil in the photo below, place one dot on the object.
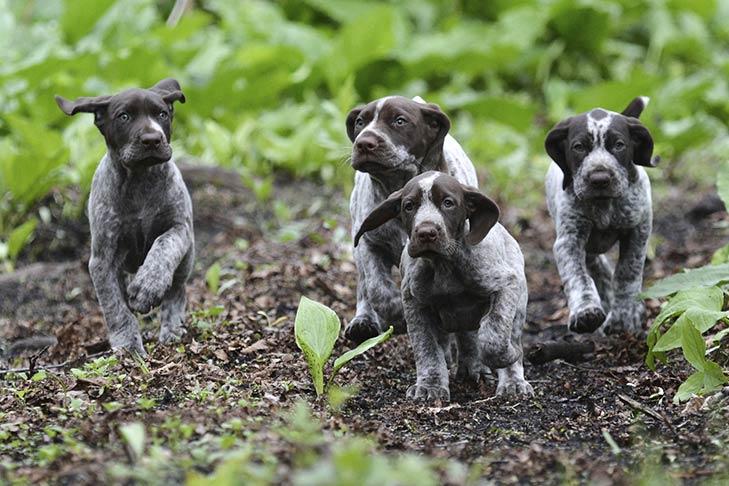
(562, 434)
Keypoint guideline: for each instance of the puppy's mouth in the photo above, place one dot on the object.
(135, 156)
(375, 163)
(430, 250)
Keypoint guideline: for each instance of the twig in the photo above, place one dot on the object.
(549, 351)
(181, 6)
(647, 410)
(53, 366)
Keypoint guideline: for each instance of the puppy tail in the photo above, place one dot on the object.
(636, 107)
(418, 99)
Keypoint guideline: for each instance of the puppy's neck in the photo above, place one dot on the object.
(386, 184)
(125, 172)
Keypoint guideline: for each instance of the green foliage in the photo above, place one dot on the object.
(269, 83)
(316, 329)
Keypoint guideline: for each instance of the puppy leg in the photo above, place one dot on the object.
(512, 382)
(628, 314)
(154, 277)
(586, 312)
(428, 344)
(498, 349)
(599, 269)
(108, 282)
(378, 297)
(470, 367)
(172, 310)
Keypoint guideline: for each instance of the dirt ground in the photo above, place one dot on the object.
(604, 419)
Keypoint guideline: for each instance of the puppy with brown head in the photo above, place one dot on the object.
(393, 140)
(598, 195)
(463, 277)
(140, 213)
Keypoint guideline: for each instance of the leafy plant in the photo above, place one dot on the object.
(317, 328)
(696, 306)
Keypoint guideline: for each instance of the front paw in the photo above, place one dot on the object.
(514, 387)
(169, 334)
(470, 373)
(361, 328)
(145, 292)
(586, 319)
(128, 339)
(421, 393)
(626, 317)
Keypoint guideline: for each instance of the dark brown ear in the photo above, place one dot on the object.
(483, 214)
(351, 118)
(84, 104)
(642, 144)
(387, 210)
(636, 107)
(438, 125)
(170, 90)
(555, 146)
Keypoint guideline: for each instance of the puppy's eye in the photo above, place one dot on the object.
(359, 122)
(162, 115)
(408, 206)
(123, 116)
(400, 121)
(578, 147)
(448, 203)
(619, 145)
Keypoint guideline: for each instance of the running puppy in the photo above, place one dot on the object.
(394, 139)
(463, 277)
(140, 213)
(598, 195)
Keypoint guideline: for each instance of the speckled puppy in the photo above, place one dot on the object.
(463, 276)
(140, 213)
(598, 195)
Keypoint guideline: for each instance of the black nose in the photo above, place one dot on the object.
(366, 143)
(426, 233)
(599, 179)
(151, 139)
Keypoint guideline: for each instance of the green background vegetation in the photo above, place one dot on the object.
(269, 83)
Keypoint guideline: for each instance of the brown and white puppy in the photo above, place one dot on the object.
(598, 195)
(394, 139)
(463, 277)
(140, 213)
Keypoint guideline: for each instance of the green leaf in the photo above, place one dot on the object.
(690, 387)
(694, 347)
(212, 277)
(362, 348)
(80, 16)
(699, 277)
(19, 236)
(707, 298)
(133, 434)
(714, 376)
(721, 255)
(316, 329)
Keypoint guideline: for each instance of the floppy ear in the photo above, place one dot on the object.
(438, 125)
(554, 144)
(483, 214)
(642, 144)
(84, 104)
(387, 210)
(351, 117)
(170, 91)
(636, 107)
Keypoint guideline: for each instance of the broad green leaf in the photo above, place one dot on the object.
(212, 277)
(714, 376)
(80, 16)
(721, 255)
(708, 298)
(362, 348)
(700, 319)
(19, 236)
(316, 328)
(694, 347)
(698, 277)
(134, 435)
(690, 387)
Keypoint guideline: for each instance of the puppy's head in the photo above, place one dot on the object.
(434, 208)
(396, 134)
(136, 123)
(598, 150)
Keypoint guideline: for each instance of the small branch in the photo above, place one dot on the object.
(568, 351)
(646, 410)
(181, 6)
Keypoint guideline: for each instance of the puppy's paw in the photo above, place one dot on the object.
(626, 317)
(128, 340)
(587, 319)
(361, 328)
(171, 334)
(470, 373)
(145, 292)
(421, 393)
(514, 387)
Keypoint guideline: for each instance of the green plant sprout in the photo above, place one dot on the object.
(316, 329)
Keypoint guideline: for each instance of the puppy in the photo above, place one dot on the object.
(140, 213)
(598, 195)
(394, 139)
(463, 276)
